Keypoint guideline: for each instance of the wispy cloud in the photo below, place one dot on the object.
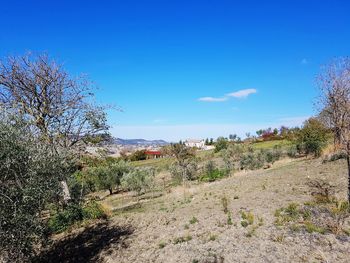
(242, 93)
(212, 99)
(304, 61)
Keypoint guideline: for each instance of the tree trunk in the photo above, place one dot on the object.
(110, 191)
(348, 161)
(65, 191)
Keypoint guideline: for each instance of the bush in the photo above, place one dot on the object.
(292, 151)
(252, 160)
(221, 144)
(138, 156)
(75, 213)
(273, 155)
(187, 170)
(212, 173)
(63, 219)
(232, 154)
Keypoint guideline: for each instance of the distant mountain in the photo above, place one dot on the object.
(140, 142)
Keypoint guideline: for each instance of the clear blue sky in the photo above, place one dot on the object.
(157, 60)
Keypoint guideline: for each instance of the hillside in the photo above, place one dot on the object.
(169, 228)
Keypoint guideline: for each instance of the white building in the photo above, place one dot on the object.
(195, 143)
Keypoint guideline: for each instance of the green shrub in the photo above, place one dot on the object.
(63, 219)
(213, 176)
(244, 223)
(252, 160)
(93, 210)
(178, 240)
(221, 144)
(225, 202)
(162, 244)
(229, 219)
(193, 220)
(75, 213)
(292, 151)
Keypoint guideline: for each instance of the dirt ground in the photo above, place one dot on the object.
(196, 229)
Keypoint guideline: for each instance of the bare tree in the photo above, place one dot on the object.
(60, 107)
(334, 83)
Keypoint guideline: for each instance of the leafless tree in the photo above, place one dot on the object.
(60, 107)
(334, 84)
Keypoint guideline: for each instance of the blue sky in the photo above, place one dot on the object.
(171, 65)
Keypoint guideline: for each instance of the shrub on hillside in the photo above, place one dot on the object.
(138, 156)
(221, 144)
(211, 172)
(252, 160)
(231, 155)
(292, 151)
(273, 155)
(75, 213)
(187, 171)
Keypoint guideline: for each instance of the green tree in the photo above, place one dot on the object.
(138, 155)
(108, 176)
(139, 180)
(30, 175)
(221, 143)
(312, 138)
(231, 155)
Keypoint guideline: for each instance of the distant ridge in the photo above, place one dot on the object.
(141, 142)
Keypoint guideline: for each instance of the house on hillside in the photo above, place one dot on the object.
(153, 154)
(195, 143)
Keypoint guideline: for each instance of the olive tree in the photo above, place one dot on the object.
(232, 155)
(334, 101)
(139, 180)
(109, 175)
(30, 175)
(185, 164)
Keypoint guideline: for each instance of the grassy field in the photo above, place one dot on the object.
(271, 144)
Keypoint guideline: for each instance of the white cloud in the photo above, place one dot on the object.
(212, 99)
(242, 93)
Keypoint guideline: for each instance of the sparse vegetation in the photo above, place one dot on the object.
(193, 220)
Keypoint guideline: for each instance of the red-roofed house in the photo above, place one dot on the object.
(153, 154)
